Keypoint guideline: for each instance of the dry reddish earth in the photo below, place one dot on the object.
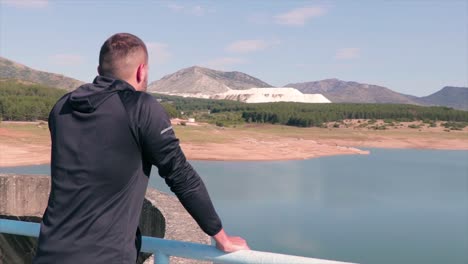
(25, 147)
(255, 150)
(17, 149)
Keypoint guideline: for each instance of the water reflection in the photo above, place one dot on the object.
(393, 206)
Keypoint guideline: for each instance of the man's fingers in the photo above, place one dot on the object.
(233, 244)
(241, 244)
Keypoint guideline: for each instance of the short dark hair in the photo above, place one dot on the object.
(116, 54)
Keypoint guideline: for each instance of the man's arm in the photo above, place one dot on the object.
(161, 147)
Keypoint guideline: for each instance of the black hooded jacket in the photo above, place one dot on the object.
(105, 138)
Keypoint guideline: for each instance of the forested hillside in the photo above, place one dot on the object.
(29, 102)
(306, 115)
(26, 102)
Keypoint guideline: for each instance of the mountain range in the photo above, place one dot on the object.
(352, 92)
(16, 71)
(198, 81)
(456, 97)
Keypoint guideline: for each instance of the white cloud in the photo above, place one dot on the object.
(259, 18)
(245, 46)
(67, 59)
(26, 3)
(299, 16)
(196, 10)
(158, 52)
(348, 53)
(175, 7)
(224, 62)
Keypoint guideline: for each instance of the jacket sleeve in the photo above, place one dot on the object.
(161, 147)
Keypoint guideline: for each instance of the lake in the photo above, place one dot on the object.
(392, 206)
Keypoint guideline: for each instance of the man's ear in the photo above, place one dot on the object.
(141, 73)
(99, 69)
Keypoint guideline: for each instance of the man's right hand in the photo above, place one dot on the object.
(229, 244)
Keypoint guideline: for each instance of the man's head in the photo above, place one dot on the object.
(124, 56)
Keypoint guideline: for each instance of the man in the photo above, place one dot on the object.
(105, 137)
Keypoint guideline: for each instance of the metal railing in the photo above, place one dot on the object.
(163, 248)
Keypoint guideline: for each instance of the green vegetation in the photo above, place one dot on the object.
(414, 126)
(378, 127)
(307, 115)
(171, 110)
(29, 102)
(455, 125)
(191, 105)
(26, 102)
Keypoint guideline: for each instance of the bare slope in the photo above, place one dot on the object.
(13, 70)
(339, 91)
(199, 80)
(456, 97)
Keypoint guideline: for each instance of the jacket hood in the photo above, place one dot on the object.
(88, 97)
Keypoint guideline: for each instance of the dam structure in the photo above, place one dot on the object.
(170, 235)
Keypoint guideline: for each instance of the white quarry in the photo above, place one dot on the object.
(266, 95)
(260, 95)
(206, 83)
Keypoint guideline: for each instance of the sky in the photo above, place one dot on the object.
(410, 46)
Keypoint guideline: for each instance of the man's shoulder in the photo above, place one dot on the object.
(137, 100)
(64, 97)
(146, 97)
(142, 107)
(61, 101)
(151, 107)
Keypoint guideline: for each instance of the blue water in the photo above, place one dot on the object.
(393, 206)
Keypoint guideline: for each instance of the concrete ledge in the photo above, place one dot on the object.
(179, 225)
(24, 197)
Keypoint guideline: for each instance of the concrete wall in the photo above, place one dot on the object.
(24, 197)
(23, 194)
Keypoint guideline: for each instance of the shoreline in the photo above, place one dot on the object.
(25, 144)
(352, 150)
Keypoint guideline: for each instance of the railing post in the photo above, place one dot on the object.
(162, 249)
(161, 258)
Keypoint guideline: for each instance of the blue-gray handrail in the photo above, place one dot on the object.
(163, 248)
